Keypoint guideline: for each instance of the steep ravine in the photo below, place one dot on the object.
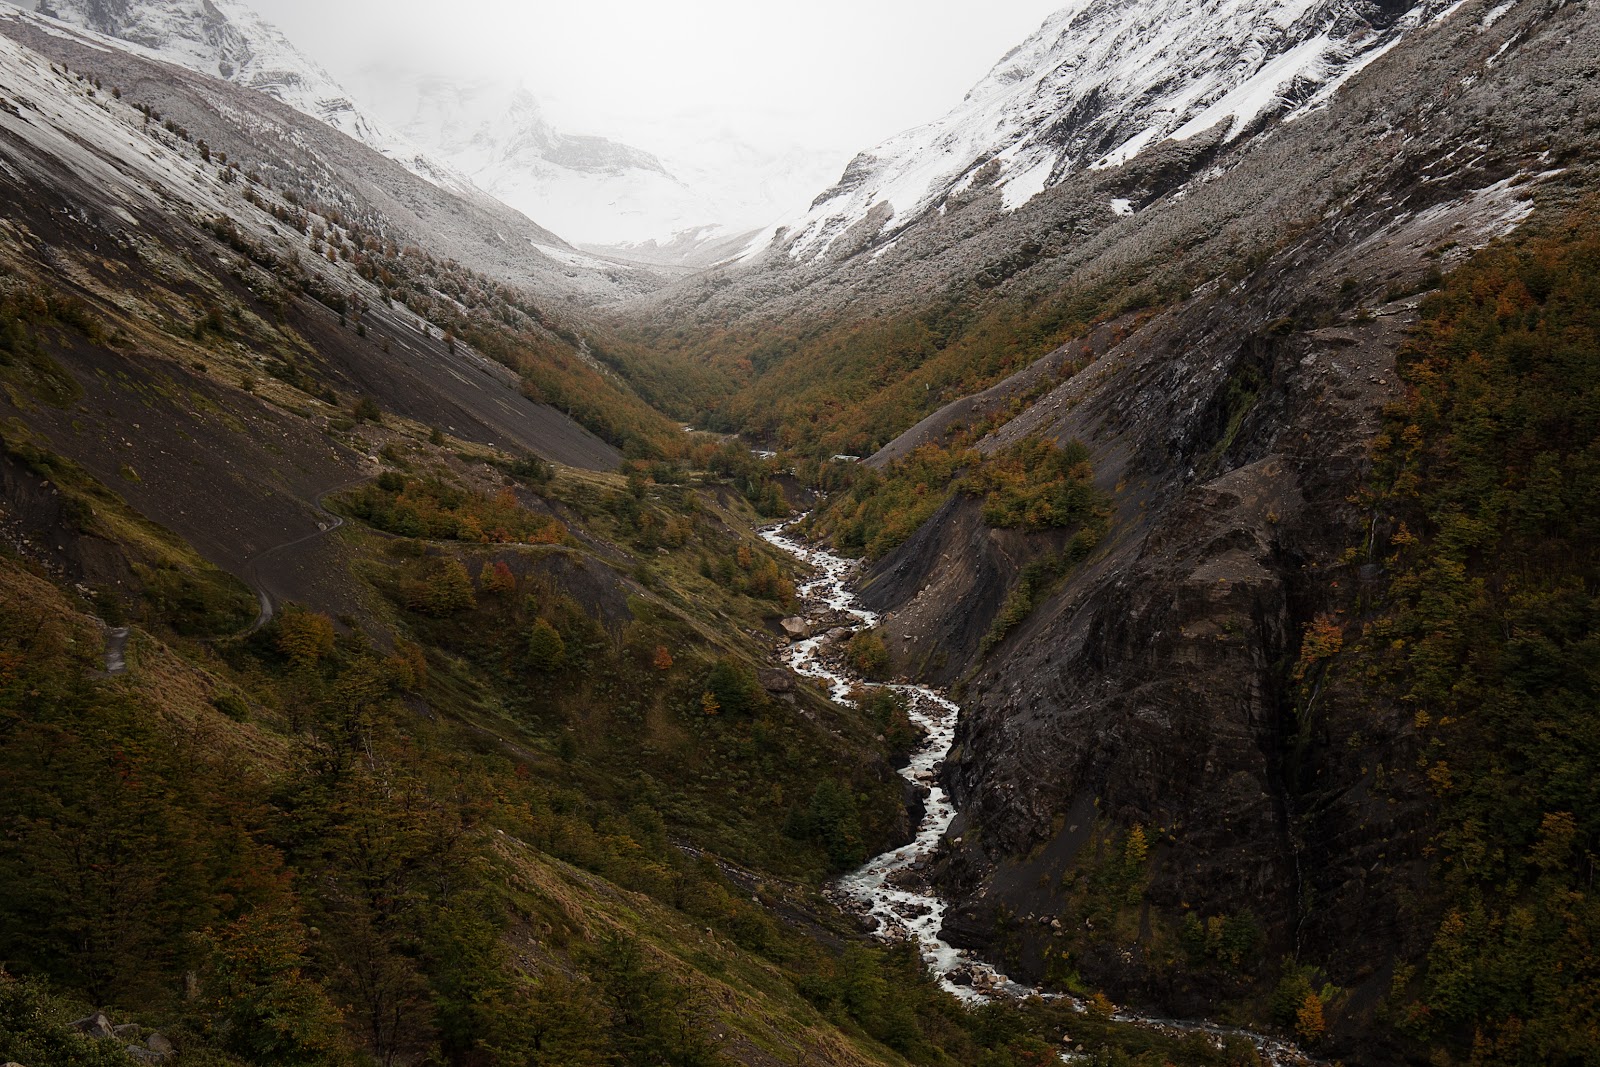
(894, 889)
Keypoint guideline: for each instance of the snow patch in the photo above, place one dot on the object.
(1027, 184)
(1499, 12)
(1106, 71)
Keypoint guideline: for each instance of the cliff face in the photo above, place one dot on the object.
(1151, 689)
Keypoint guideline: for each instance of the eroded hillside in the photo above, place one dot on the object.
(1233, 352)
(388, 675)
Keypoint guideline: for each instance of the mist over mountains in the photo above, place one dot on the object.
(492, 133)
(1106, 574)
(595, 191)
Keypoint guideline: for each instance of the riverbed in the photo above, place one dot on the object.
(892, 887)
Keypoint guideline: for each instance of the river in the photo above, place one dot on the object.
(891, 887)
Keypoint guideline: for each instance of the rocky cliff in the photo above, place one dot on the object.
(1233, 428)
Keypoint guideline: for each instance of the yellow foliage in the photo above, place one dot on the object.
(1308, 1021)
(1323, 640)
(305, 637)
(409, 664)
(1135, 848)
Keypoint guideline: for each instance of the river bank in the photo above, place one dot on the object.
(892, 890)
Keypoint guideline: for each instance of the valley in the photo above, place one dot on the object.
(1110, 581)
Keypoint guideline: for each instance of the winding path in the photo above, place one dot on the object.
(116, 650)
(891, 887)
(252, 575)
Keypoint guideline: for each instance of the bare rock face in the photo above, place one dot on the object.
(945, 587)
(1151, 689)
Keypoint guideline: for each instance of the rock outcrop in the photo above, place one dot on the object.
(141, 1044)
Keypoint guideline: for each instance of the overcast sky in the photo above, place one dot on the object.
(838, 75)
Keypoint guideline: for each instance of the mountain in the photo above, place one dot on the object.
(1098, 83)
(390, 673)
(475, 135)
(1199, 758)
(227, 39)
(590, 189)
(597, 192)
(288, 139)
(354, 705)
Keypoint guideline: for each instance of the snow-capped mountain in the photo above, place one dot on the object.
(465, 137)
(226, 39)
(589, 189)
(1102, 81)
(475, 136)
(297, 152)
(594, 191)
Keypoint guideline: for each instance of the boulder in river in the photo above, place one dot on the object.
(797, 628)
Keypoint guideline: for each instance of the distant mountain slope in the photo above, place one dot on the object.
(466, 136)
(298, 152)
(592, 190)
(227, 39)
(143, 187)
(193, 346)
(1100, 82)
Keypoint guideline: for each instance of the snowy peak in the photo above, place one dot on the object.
(227, 40)
(1100, 82)
(587, 188)
(470, 137)
(482, 125)
(592, 190)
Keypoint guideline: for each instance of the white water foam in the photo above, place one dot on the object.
(889, 886)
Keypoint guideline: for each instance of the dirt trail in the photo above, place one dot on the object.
(252, 566)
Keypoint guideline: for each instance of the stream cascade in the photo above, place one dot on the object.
(891, 889)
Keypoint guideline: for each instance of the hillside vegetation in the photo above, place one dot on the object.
(390, 676)
(1485, 501)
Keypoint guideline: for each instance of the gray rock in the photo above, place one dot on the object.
(97, 1025)
(797, 628)
(159, 1044)
(776, 680)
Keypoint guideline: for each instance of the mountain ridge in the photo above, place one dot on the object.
(1240, 486)
(1097, 84)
